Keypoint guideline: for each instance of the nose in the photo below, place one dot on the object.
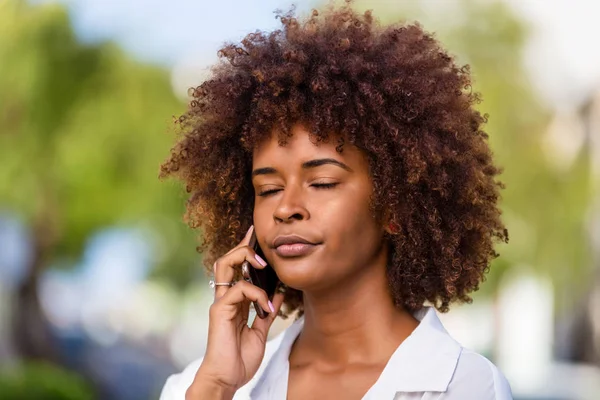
(291, 205)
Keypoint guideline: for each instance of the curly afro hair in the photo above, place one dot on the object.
(393, 92)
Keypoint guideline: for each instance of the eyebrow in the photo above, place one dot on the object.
(306, 165)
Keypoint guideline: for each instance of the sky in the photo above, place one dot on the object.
(561, 54)
(169, 31)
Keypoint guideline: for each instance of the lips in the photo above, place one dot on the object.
(293, 246)
(289, 239)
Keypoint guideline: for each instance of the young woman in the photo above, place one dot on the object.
(355, 154)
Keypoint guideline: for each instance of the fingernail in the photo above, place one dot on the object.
(249, 229)
(260, 260)
(271, 306)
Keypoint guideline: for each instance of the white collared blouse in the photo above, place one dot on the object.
(428, 365)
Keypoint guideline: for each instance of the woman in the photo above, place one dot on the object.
(355, 154)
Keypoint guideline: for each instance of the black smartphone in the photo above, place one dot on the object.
(265, 278)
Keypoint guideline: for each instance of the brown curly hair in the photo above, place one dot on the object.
(392, 91)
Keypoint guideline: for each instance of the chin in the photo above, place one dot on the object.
(299, 274)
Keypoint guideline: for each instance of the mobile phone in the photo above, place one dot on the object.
(265, 278)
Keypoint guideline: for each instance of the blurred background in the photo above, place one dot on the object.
(102, 294)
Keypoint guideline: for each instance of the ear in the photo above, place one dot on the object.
(389, 225)
(392, 228)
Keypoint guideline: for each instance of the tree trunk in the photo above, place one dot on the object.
(32, 335)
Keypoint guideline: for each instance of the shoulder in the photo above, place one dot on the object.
(476, 377)
(177, 384)
(431, 360)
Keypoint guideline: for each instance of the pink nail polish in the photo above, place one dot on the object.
(271, 306)
(260, 260)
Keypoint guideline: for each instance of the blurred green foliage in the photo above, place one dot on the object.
(41, 381)
(83, 129)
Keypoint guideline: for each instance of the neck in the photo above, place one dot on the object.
(356, 321)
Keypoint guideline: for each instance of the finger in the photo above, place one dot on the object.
(246, 311)
(263, 325)
(245, 241)
(241, 292)
(220, 290)
(226, 266)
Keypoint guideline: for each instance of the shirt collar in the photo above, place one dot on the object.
(424, 362)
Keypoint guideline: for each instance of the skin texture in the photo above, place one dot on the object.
(290, 201)
(414, 220)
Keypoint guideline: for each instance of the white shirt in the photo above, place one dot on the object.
(428, 365)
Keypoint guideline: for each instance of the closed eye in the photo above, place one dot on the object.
(316, 185)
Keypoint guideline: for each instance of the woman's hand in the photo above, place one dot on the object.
(234, 351)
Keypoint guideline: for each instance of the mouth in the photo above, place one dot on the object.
(293, 246)
(295, 249)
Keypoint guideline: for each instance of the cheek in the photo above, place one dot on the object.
(349, 226)
(262, 218)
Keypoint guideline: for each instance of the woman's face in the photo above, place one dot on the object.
(322, 197)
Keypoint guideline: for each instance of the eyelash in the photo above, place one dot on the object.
(317, 185)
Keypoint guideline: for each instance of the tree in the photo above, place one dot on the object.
(82, 135)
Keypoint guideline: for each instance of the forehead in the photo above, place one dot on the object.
(300, 148)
